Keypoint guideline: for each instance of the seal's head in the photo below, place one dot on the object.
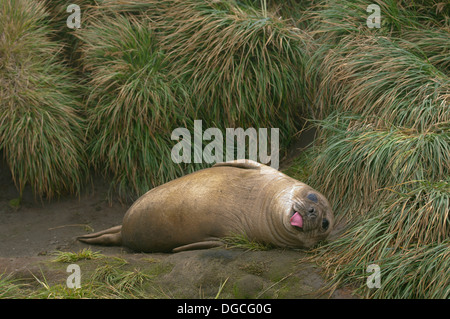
(309, 217)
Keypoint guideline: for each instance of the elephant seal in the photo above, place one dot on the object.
(237, 197)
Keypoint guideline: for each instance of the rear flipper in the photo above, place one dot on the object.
(108, 237)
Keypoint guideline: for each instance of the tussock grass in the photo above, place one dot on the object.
(420, 213)
(367, 160)
(65, 36)
(374, 76)
(333, 19)
(256, 67)
(60, 291)
(242, 64)
(158, 65)
(134, 104)
(418, 273)
(397, 72)
(422, 272)
(381, 97)
(407, 236)
(430, 44)
(41, 129)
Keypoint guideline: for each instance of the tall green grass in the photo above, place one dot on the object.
(381, 102)
(134, 103)
(375, 76)
(430, 44)
(242, 64)
(254, 73)
(158, 65)
(358, 162)
(41, 129)
(407, 236)
(333, 19)
(65, 36)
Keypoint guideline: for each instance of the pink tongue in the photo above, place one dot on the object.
(297, 220)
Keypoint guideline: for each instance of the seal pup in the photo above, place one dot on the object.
(237, 197)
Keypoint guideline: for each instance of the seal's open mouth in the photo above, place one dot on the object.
(297, 220)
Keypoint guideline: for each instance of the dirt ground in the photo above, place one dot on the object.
(30, 234)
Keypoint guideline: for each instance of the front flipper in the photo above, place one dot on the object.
(199, 245)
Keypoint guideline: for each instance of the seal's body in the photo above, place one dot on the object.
(231, 198)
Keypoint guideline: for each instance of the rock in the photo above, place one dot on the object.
(248, 287)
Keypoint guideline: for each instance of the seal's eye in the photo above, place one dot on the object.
(325, 224)
(312, 197)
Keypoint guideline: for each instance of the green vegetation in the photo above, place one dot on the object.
(69, 257)
(102, 277)
(9, 287)
(243, 242)
(382, 158)
(157, 66)
(41, 128)
(135, 103)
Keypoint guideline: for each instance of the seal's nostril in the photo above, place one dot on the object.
(312, 213)
(325, 223)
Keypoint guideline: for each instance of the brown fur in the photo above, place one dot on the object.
(236, 197)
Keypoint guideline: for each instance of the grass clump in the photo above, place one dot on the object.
(430, 44)
(41, 129)
(119, 281)
(158, 65)
(252, 56)
(407, 238)
(381, 101)
(10, 287)
(334, 19)
(133, 103)
(69, 257)
(367, 160)
(243, 242)
(391, 186)
(374, 76)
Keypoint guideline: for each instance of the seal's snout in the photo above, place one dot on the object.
(308, 217)
(311, 213)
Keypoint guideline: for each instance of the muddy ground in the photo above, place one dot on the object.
(31, 233)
